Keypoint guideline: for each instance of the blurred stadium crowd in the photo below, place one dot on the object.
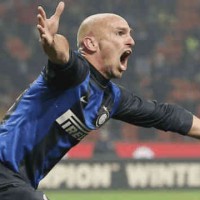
(164, 64)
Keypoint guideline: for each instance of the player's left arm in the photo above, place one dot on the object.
(146, 113)
(195, 129)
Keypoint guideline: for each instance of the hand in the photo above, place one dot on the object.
(49, 27)
(55, 45)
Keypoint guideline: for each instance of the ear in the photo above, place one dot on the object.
(90, 43)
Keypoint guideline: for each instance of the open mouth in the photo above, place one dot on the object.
(124, 56)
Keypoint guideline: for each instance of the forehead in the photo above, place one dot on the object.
(100, 24)
(117, 22)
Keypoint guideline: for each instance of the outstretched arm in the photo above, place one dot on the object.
(167, 117)
(55, 45)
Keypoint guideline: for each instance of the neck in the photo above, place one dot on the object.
(96, 62)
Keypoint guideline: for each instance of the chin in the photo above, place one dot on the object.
(117, 76)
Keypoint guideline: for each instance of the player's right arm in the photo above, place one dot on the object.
(55, 46)
(65, 68)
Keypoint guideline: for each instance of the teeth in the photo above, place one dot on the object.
(128, 52)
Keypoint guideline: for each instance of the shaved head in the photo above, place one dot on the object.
(105, 41)
(95, 25)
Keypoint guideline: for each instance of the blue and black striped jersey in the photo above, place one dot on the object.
(62, 106)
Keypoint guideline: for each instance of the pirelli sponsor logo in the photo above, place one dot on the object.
(72, 125)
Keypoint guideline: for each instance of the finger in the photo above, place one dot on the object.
(41, 20)
(40, 30)
(42, 12)
(59, 9)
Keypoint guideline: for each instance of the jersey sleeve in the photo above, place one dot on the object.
(168, 117)
(67, 75)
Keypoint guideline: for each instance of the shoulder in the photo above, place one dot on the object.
(77, 59)
(67, 75)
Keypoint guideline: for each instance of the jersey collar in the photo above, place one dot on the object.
(98, 77)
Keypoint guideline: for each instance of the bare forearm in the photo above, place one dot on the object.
(58, 52)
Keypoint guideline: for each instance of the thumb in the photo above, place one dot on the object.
(59, 9)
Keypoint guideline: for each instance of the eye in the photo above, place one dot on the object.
(120, 33)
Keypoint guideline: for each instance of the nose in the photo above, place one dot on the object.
(131, 41)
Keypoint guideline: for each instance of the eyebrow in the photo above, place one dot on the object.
(125, 29)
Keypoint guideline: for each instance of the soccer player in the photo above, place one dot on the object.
(73, 95)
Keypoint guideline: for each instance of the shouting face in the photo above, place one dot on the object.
(111, 44)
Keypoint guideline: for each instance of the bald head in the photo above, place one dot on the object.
(95, 25)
